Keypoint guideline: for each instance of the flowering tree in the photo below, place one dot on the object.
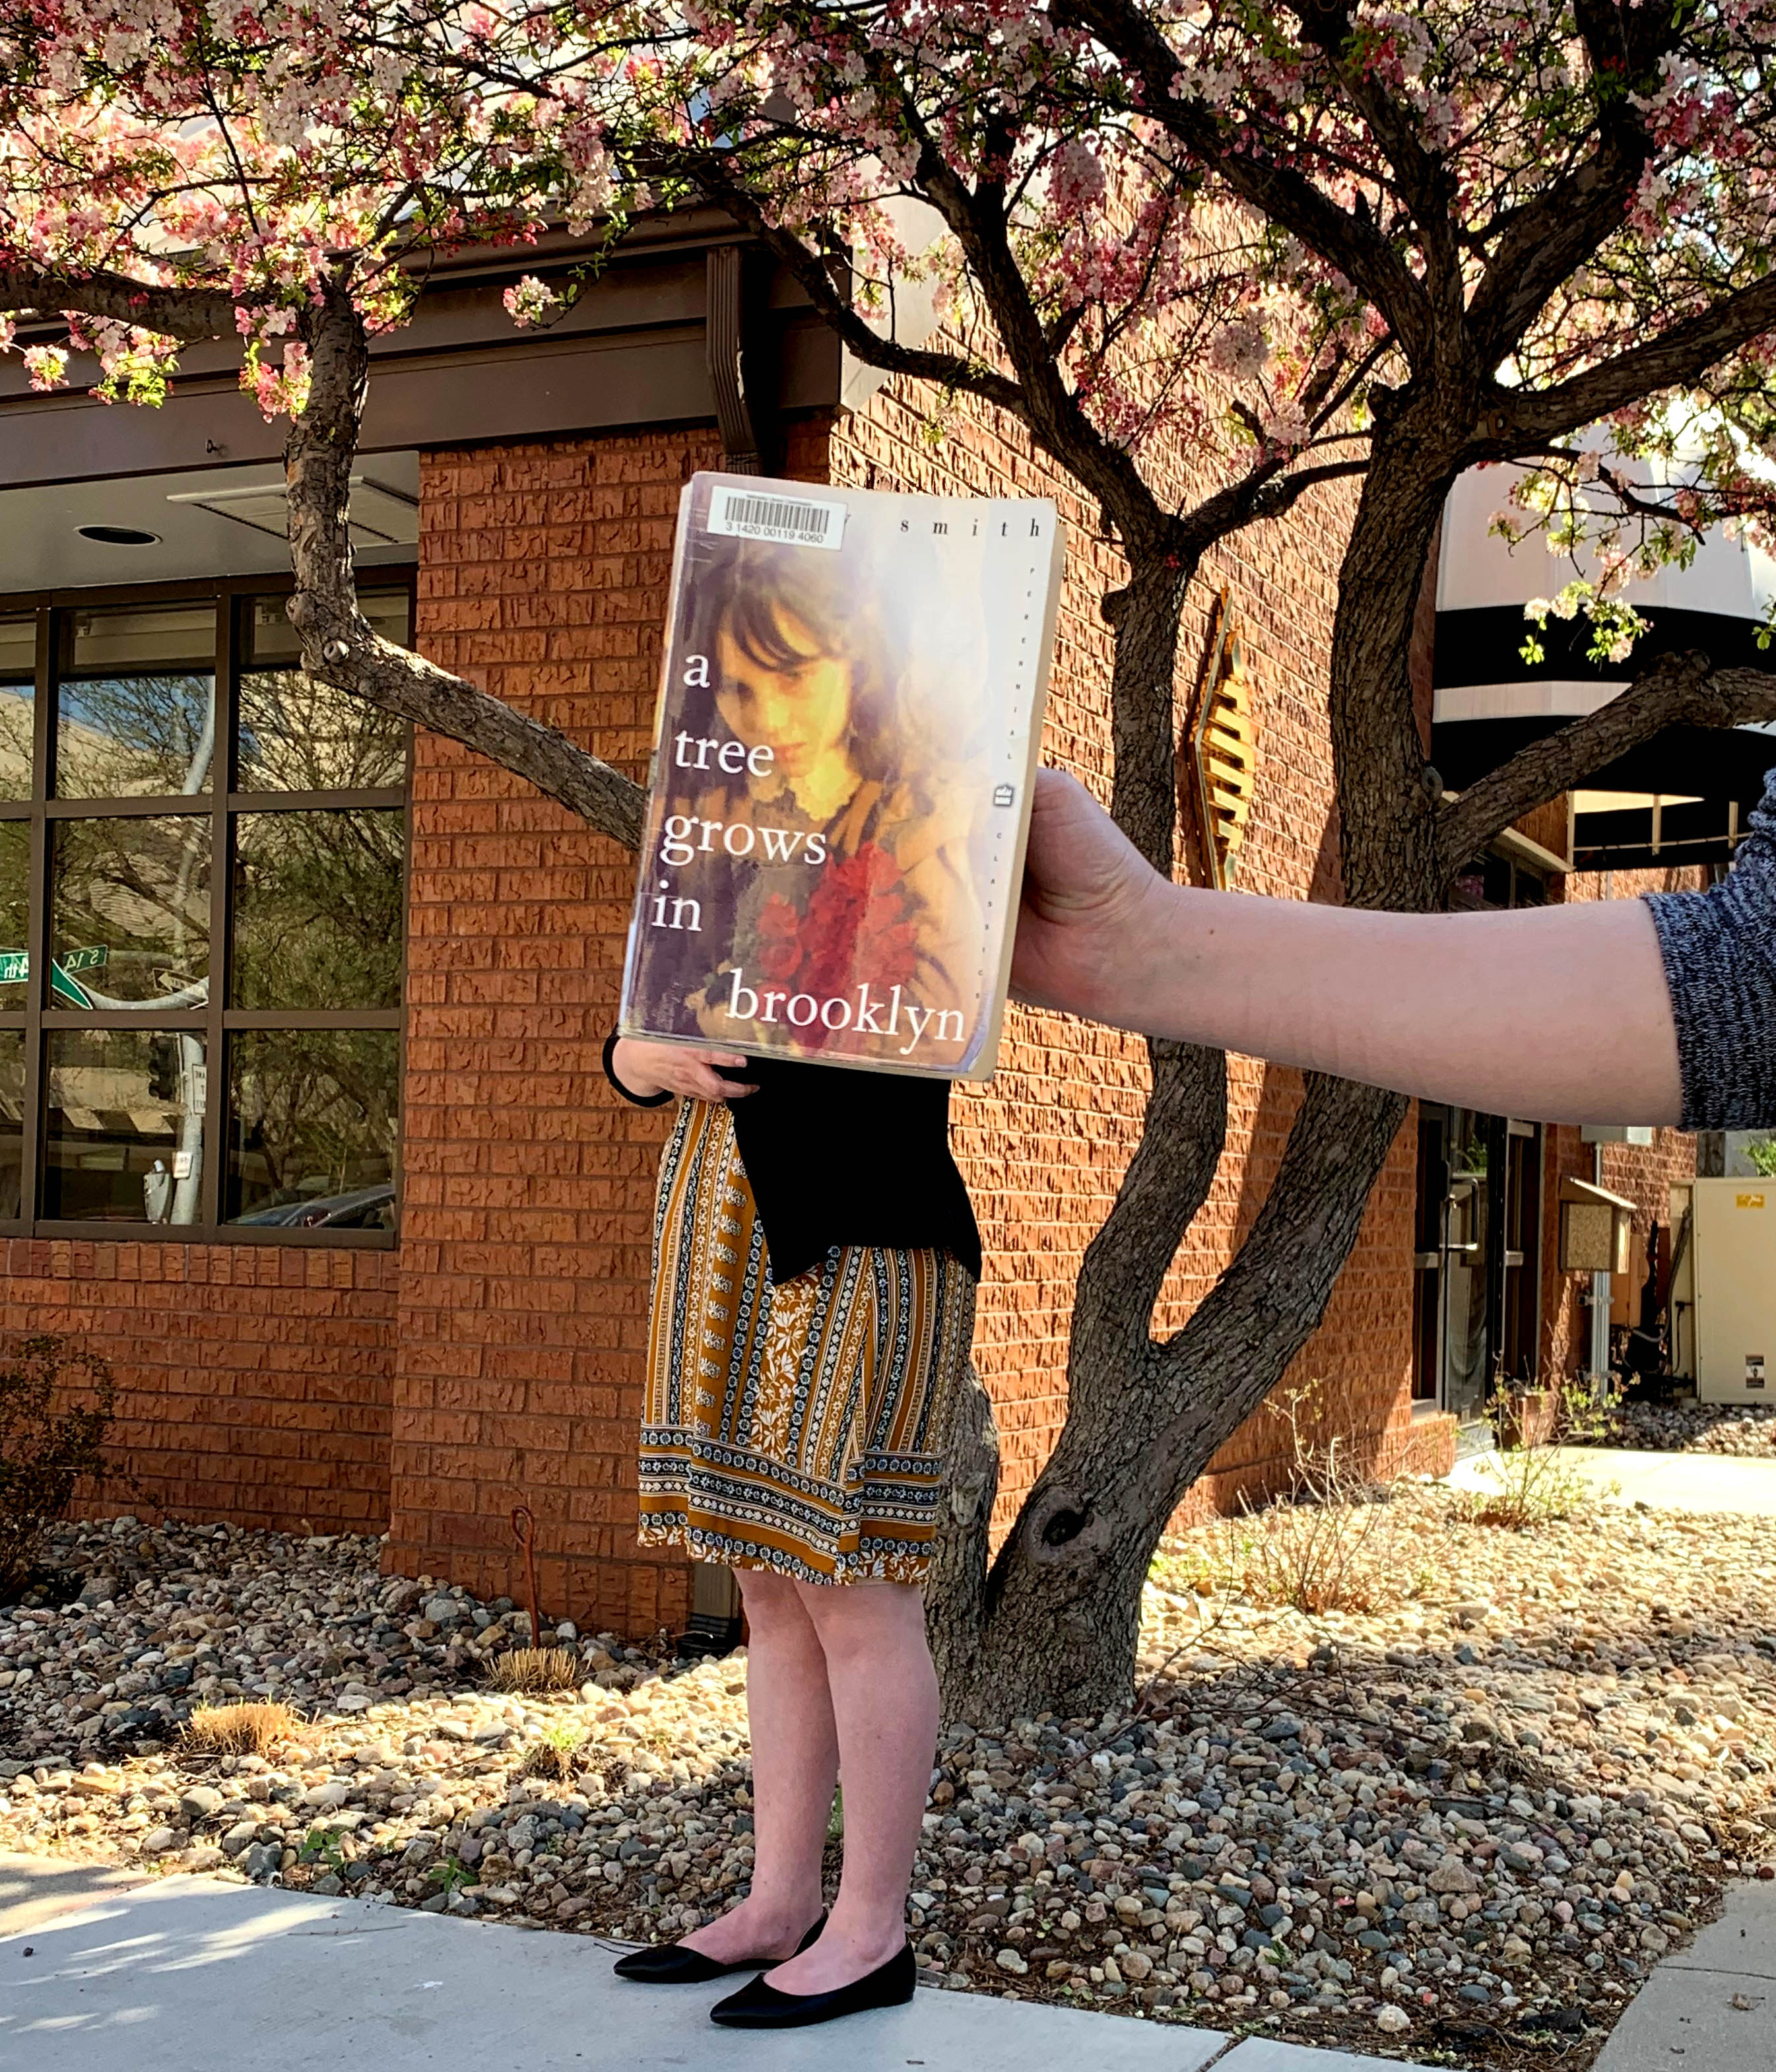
(172, 173)
(1335, 242)
(1321, 242)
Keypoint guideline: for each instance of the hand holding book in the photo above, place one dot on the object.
(644, 1070)
(1477, 1010)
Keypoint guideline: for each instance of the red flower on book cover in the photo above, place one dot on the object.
(779, 939)
(858, 928)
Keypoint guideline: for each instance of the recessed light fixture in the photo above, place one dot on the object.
(118, 535)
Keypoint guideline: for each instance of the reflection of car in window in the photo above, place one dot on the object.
(368, 1208)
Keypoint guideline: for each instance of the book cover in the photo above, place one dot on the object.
(850, 722)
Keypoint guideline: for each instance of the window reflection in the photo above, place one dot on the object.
(295, 734)
(124, 1126)
(318, 909)
(129, 910)
(309, 925)
(12, 1123)
(14, 913)
(135, 707)
(311, 1129)
(17, 700)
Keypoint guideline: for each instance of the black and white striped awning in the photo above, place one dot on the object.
(1682, 797)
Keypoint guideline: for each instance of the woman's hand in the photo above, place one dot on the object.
(675, 1068)
(1088, 912)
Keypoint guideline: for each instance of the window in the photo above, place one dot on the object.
(203, 856)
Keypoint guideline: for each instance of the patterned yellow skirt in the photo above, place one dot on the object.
(802, 1428)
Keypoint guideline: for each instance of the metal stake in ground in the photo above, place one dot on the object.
(524, 1530)
(535, 1667)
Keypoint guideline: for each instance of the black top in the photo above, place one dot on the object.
(840, 1157)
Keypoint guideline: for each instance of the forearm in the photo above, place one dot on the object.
(1560, 1013)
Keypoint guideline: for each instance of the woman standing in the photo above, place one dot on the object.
(816, 1258)
(815, 1263)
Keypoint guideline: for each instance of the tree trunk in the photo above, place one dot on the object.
(956, 1587)
(1060, 1612)
(1062, 1601)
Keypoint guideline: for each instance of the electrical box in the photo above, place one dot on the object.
(1724, 1289)
(1594, 1228)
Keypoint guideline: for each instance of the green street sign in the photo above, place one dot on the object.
(15, 969)
(69, 991)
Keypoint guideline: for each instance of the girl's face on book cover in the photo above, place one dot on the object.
(795, 700)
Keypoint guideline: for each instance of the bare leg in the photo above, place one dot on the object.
(884, 1689)
(794, 1766)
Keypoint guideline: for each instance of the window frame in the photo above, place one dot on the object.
(216, 1022)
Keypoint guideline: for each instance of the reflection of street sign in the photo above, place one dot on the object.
(69, 991)
(15, 969)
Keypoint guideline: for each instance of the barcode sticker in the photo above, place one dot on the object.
(746, 514)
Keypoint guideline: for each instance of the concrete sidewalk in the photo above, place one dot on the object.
(195, 1975)
(1713, 2005)
(1716, 1483)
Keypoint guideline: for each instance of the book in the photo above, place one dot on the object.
(849, 721)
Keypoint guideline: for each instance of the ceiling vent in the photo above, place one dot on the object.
(381, 515)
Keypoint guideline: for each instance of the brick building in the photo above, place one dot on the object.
(364, 1234)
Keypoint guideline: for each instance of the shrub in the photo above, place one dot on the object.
(48, 1445)
(1535, 1486)
(561, 1753)
(1333, 1543)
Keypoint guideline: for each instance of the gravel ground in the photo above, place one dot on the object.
(1468, 1824)
(1693, 1428)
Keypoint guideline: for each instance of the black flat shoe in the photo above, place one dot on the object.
(672, 1964)
(760, 2005)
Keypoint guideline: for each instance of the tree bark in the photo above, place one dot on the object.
(956, 1586)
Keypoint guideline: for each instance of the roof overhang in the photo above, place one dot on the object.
(631, 355)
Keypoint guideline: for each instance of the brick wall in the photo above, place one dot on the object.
(253, 1381)
(528, 1187)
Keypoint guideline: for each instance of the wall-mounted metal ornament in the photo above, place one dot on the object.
(1223, 739)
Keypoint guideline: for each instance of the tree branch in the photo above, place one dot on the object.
(1262, 493)
(340, 648)
(1522, 417)
(1423, 179)
(1349, 242)
(1053, 414)
(950, 370)
(1546, 242)
(1677, 690)
(188, 314)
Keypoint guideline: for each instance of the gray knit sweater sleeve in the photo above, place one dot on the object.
(1719, 947)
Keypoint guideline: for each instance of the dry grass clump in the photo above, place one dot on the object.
(536, 1669)
(245, 1729)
